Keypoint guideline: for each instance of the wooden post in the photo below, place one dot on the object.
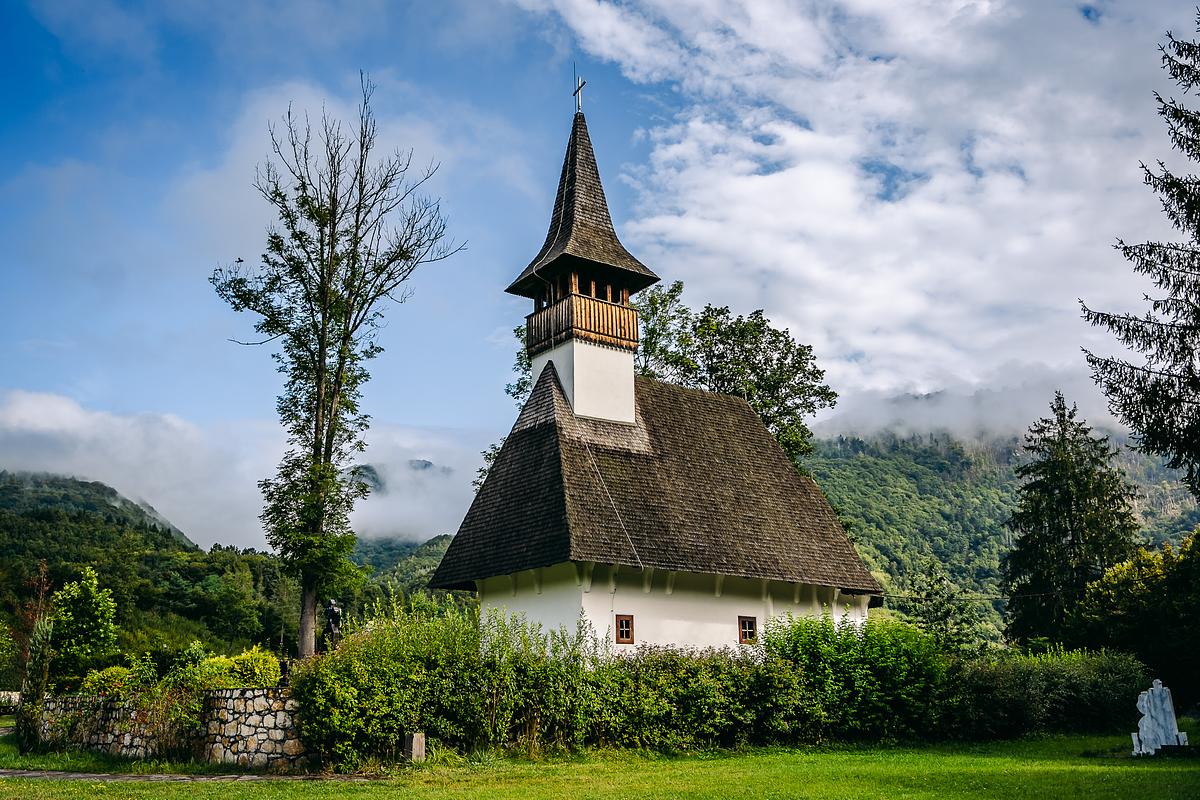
(414, 747)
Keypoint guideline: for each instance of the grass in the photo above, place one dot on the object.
(1053, 767)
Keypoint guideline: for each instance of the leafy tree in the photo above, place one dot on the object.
(937, 605)
(1159, 398)
(1073, 521)
(1148, 605)
(353, 227)
(747, 357)
(664, 322)
(522, 367)
(85, 628)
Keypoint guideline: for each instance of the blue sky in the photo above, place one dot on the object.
(920, 190)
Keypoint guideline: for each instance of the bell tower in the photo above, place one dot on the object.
(580, 283)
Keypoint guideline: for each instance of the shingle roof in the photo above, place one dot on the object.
(581, 225)
(698, 485)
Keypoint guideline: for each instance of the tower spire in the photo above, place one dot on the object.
(581, 229)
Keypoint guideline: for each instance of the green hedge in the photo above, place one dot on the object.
(496, 683)
(1061, 691)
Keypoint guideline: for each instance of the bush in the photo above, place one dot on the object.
(882, 680)
(407, 670)
(85, 629)
(501, 683)
(1009, 694)
(254, 668)
(109, 682)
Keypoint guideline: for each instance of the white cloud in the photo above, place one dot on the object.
(203, 478)
(1004, 403)
(922, 190)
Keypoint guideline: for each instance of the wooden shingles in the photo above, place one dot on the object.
(580, 225)
(697, 485)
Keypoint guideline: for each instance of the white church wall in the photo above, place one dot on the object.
(692, 614)
(556, 605)
(597, 380)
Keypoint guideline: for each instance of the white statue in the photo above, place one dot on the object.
(1157, 727)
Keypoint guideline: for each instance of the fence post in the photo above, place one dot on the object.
(414, 747)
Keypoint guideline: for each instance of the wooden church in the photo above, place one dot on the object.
(660, 514)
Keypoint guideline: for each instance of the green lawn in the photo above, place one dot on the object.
(1049, 769)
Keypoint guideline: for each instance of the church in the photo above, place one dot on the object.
(660, 514)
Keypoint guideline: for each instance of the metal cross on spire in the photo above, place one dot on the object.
(578, 93)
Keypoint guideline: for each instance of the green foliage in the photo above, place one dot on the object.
(500, 683)
(744, 356)
(167, 594)
(408, 669)
(254, 668)
(748, 358)
(108, 682)
(10, 668)
(880, 681)
(26, 491)
(1008, 694)
(489, 458)
(1073, 520)
(34, 684)
(1146, 605)
(1159, 398)
(938, 606)
(522, 367)
(85, 629)
(410, 575)
(171, 703)
(911, 500)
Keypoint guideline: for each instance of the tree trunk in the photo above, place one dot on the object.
(308, 618)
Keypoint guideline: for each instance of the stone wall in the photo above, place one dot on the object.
(252, 728)
(246, 727)
(106, 726)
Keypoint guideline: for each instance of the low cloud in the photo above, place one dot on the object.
(204, 478)
(1002, 404)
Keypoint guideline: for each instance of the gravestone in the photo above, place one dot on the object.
(1157, 728)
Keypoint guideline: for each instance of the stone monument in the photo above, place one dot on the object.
(1157, 728)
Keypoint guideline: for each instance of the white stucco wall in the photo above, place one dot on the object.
(598, 380)
(682, 611)
(556, 605)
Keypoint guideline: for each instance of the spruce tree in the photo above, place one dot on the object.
(1159, 397)
(1073, 521)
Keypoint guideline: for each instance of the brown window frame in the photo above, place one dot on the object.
(742, 631)
(617, 629)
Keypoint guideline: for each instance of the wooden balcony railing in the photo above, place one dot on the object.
(583, 317)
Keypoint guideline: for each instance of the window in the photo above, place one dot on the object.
(747, 630)
(624, 629)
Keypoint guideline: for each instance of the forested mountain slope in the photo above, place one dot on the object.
(168, 591)
(905, 498)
